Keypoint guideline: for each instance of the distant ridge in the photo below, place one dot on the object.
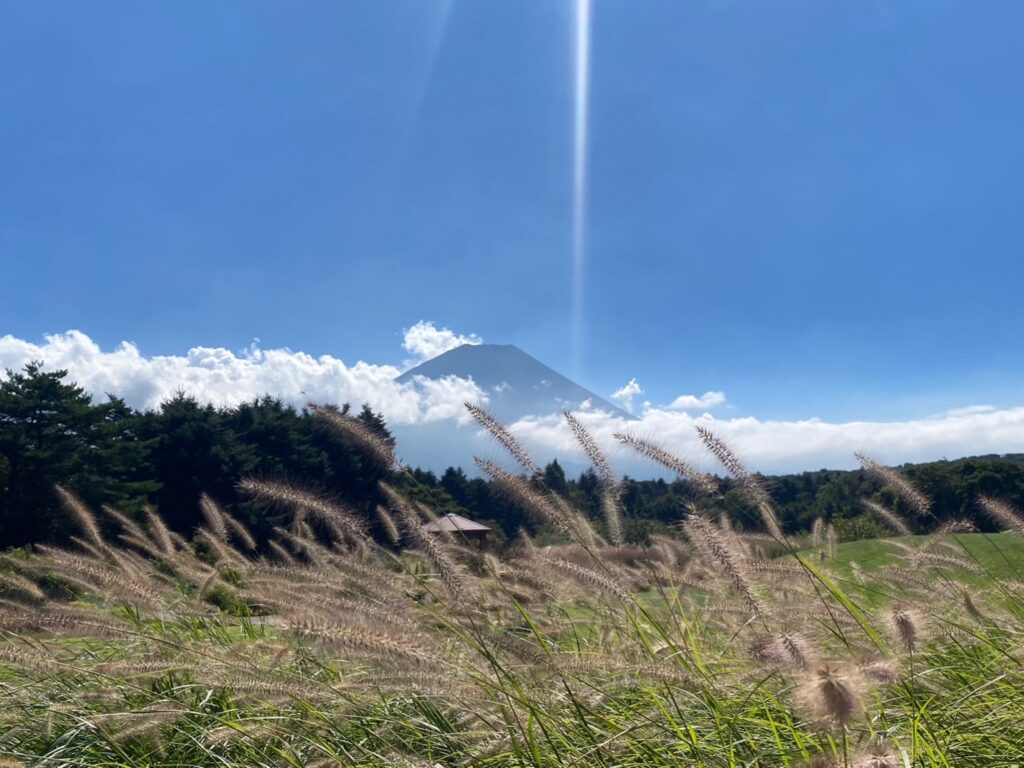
(517, 384)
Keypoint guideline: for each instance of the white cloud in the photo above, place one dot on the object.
(692, 402)
(627, 393)
(425, 341)
(224, 377)
(790, 446)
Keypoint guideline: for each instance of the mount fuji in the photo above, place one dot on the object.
(516, 384)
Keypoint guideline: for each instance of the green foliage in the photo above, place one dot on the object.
(107, 453)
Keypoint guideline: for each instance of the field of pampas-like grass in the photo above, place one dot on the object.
(326, 647)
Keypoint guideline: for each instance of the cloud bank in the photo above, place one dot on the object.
(223, 377)
(789, 446)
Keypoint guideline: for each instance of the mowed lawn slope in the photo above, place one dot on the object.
(986, 559)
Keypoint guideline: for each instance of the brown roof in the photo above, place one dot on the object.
(454, 524)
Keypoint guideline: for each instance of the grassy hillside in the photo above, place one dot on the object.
(999, 555)
(138, 647)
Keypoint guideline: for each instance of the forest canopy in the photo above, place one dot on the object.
(52, 432)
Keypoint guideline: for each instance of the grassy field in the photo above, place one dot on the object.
(713, 648)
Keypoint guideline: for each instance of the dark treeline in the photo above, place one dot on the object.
(110, 454)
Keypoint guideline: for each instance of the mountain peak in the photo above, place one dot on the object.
(516, 383)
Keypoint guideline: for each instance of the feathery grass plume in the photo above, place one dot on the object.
(903, 487)
(327, 512)
(280, 552)
(222, 551)
(239, 532)
(376, 643)
(887, 516)
(817, 528)
(935, 560)
(388, 524)
(749, 485)
(413, 529)
(905, 627)
(970, 606)
(504, 437)
(701, 532)
(701, 482)
(582, 529)
(124, 521)
(519, 491)
(147, 725)
(1002, 513)
(428, 515)
(879, 670)
(832, 695)
(591, 576)
(797, 648)
(878, 756)
(159, 532)
(949, 527)
(589, 446)
(82, 515)
(790, 649)
(215, 524)
(11, 580)
(102, 578)
(611, 493)
(372, 444)
(611, 511)
(523, 544)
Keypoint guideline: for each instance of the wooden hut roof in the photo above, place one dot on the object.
(455, 524)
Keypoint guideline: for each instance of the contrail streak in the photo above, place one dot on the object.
(579, 177)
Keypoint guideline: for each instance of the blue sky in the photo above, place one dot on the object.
(814, 207)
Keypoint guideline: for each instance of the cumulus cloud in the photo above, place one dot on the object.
(425, 341)
(627, 394)
(223, 377)
(790, 446)
(692, 402)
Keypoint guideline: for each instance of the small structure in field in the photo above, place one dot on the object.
(457, 525)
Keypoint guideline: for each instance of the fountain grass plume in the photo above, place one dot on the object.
(82, 515)
(387, 523)
(214, 518)
(705, 536)
(833, 695)
(750, 485)
(414, 533)
(905, 627)
(505, 438)
(520, 492)
(330, 513)
(903, 487)
(372, 445)
(159, 531)
(1002, 513)
(888, 517)
(701, 482)
(611, 506)
(589, 446)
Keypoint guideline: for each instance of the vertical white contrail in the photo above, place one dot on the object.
(579, 177)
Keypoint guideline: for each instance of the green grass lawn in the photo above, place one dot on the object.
(996, 558)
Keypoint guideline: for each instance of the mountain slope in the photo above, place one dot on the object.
(516, 384)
